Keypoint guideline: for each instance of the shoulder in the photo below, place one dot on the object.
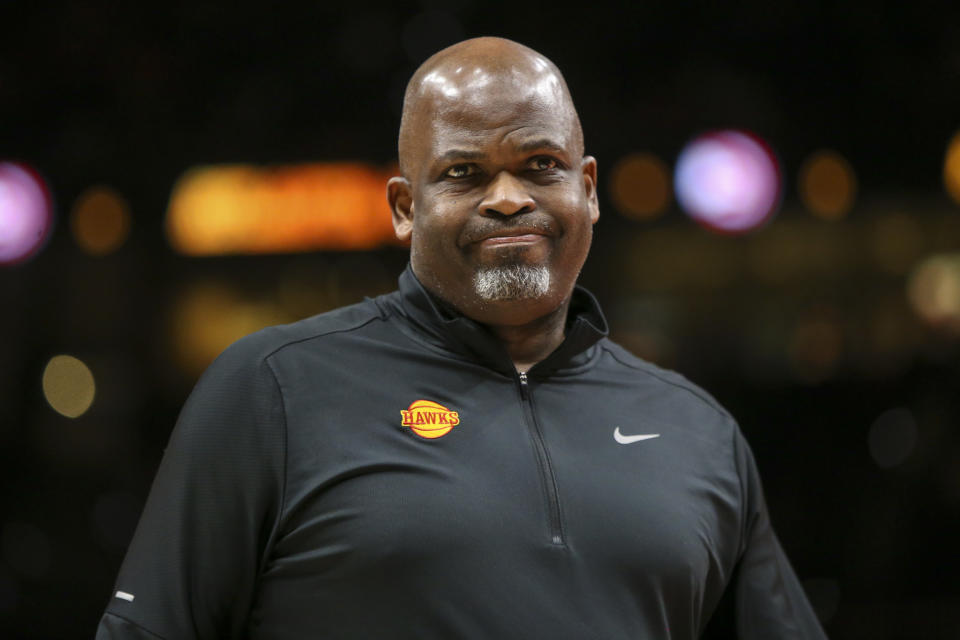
(669, 383)
(243, 385)
(248, 361)
(703, 431)
(261, 345)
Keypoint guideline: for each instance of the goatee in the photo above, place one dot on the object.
(512, 282)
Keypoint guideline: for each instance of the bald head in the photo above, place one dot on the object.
(496, 199)
(481, 75)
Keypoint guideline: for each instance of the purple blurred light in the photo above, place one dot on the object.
(728, 181)
(25, 213)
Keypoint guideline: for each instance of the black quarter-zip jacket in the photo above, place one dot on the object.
(382, 471)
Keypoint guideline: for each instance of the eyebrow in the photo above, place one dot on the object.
(524, 147)
(460, 154)
(541, 143)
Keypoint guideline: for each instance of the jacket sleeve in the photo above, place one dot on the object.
(769, 599)
(192, 566)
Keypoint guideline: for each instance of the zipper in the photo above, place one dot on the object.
(543, 460)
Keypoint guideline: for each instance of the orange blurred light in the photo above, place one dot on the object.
(640, 186)
(100, 220)
(208, 317)
(951, 168)
(827, 185)
(243, 209)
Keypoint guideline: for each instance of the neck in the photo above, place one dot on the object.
(527, 344)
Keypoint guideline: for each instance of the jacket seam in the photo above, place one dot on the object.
(741, 544)
(704, 399)
(571, 372)
(137, 625)
(283, 407)
(283, 485)
(321, 334)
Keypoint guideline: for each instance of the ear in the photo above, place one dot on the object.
(400, 197)
(588, 168)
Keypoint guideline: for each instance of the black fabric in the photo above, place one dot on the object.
(292, 501)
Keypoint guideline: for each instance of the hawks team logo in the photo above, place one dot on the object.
(429, 419)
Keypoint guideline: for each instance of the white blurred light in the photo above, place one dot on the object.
(892, 437)
(728, 181)
(25, 213)
(934, 290)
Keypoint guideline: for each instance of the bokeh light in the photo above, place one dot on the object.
(100, 220)
(247, 210)
(640, 186)
(209, 316)
(827, 184)
(26, 215)
(68, 386)
(934, 290)
(892, 437)
(951, 168)
(728, 181)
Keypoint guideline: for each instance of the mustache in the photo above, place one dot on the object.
(488, 228)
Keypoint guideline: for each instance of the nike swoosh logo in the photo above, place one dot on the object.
(622, 439)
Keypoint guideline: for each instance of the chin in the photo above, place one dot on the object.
(512, 282)
(517, 312)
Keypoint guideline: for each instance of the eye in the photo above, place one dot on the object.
(460, 171)
(543, 163)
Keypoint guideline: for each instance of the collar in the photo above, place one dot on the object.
(455, 333)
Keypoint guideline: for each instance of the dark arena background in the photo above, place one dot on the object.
(174, 176)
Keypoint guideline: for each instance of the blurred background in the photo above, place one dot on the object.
(780, 197)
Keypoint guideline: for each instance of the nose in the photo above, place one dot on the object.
(506, 196)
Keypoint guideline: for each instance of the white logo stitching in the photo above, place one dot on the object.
(622, 439)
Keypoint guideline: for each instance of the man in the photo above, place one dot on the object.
(469, 456)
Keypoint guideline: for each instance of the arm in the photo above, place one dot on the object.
(192, 566)
(770, 602)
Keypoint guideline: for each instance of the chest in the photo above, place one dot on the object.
(464, 469)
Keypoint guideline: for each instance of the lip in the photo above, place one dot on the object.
(521, 234)
(511, 239)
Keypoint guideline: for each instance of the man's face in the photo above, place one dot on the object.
(502, 202)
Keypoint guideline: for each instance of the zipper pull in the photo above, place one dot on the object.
(523, 383)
